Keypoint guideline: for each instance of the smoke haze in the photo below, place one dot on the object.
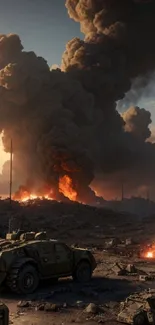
(65, 122)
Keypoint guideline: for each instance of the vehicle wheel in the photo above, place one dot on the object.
(140, 319)
(83, 272)
(23, 280)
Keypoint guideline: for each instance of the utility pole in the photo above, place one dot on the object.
(11, 153)
(10, 187)
(122, 191)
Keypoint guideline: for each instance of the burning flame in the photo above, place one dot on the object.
(149, 254)
(23, 195)
(66, 188)
(34, 197)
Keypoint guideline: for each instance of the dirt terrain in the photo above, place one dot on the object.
(67, 302)
(73, 222)
(85, 226)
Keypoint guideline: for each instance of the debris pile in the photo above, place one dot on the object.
(136, 304)
(125, 247)
(122, 269)
(146, 277)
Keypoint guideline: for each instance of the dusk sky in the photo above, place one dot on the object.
(45, 28)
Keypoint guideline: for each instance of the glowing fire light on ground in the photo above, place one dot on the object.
(149, 255)
(24, 196)
(66, 188)
(34, 197)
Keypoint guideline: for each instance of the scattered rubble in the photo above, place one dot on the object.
(131, 269)
(44, 306)
(51, 307)
(89, 226)
(40, 307)
(146, 277)
(121, 269)
(80, 304)
(91, 309)
(135, 304)
(24, 304)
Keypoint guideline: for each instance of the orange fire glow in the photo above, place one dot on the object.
(24, 195)
(34, 197)
(66, 188)
(149, 254)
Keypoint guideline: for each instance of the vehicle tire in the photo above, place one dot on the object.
(140, 319)
(83, 272)
(23, 280)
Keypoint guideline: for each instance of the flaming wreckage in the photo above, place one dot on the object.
(27, 258)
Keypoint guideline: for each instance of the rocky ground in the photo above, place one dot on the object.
(68, 221)
(67, 302)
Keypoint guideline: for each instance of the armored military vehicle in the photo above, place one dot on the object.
(138, 309)
(27, 258)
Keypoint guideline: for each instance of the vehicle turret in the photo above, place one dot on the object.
(15, 235)
(22, 235)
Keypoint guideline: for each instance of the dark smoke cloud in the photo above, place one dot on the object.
(118, 48)
(66, 122)
(48, 115)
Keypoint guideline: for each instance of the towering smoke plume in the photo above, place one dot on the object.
(64, 124)
(118, 47)
(46, 113)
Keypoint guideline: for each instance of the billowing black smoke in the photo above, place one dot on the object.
(46, 113)
(65, 122)
(118, 47)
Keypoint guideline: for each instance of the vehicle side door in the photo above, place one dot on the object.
(64, 259)
(47, 260)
